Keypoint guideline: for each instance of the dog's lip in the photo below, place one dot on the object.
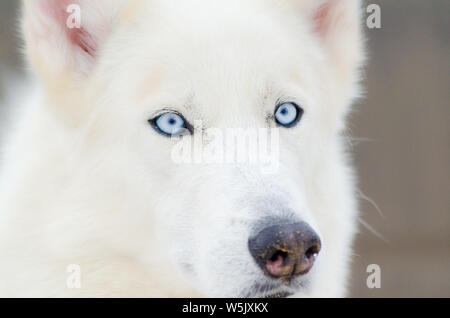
(279, 288)
(280, 294)
(273, 292)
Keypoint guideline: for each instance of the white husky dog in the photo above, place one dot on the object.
(92, 202)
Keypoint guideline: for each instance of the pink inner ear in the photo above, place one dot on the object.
(320, 18)
(79, 37)
(83, 40)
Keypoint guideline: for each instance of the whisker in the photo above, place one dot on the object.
(365, 197)
(372, 230)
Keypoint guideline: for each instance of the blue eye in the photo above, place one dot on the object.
(287, 114)
(169, 123)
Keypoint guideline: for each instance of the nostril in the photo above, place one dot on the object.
(312, 252)
(305, 263)
(278, 255)
(275, 265)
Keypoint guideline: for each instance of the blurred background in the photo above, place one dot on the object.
(401, 147)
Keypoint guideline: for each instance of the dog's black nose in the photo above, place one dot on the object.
(286, 250)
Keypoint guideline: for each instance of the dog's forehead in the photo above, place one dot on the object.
(219, 33)
(219, 48)
(221, 60)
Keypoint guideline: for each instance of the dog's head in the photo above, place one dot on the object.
(136, 83)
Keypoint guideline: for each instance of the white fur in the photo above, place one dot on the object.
(85, 180)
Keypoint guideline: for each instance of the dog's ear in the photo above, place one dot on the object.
(64, 37)
(337, 23)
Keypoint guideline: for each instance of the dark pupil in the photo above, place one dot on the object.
(172, 121)
(284, 111)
